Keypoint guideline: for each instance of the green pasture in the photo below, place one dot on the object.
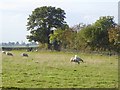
(46, 69)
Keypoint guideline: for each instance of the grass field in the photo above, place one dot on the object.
(54, 70)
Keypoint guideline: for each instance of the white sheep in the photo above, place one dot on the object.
(76, 59)
(3, 52)
(36, 50)
(9, 54)
(24, 54)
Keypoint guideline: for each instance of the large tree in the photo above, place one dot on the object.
(42, 21)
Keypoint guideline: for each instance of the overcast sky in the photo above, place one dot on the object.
(14, 14)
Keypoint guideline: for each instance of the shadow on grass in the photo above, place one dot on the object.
(15, 88)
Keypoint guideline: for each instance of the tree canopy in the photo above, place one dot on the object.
(42, 21)
(97, 34)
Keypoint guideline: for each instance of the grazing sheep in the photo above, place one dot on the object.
(3, 52)
(9, 54)
(36, 50)
(76, 59)
(24, 55)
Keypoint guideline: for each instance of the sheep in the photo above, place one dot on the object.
(9, 54)
(24, 54)
(36, 50)
(76, 59)
(3, 52)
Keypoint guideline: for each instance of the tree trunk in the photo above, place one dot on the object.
(48, 35)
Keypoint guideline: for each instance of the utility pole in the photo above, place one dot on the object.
(119, 13)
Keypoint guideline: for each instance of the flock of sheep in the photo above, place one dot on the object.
(11, 54)
(75, 59)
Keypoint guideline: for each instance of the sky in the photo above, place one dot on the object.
(14, 14)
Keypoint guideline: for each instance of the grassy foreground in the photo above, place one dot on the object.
(54, 70)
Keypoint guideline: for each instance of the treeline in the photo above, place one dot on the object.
(17, 44)
(48, 27)
(103, 35)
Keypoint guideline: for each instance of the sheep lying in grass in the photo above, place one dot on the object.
(9, 54)
(76, 59)
(24, 55)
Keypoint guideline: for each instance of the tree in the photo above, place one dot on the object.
(78, 27)
(96, 35)
(63, 38)
(42, 21)
(103, 25)
(55, 39)
(114, 38)
(88, 37)
(17, 43)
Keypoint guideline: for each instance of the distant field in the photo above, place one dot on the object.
(54, 70)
